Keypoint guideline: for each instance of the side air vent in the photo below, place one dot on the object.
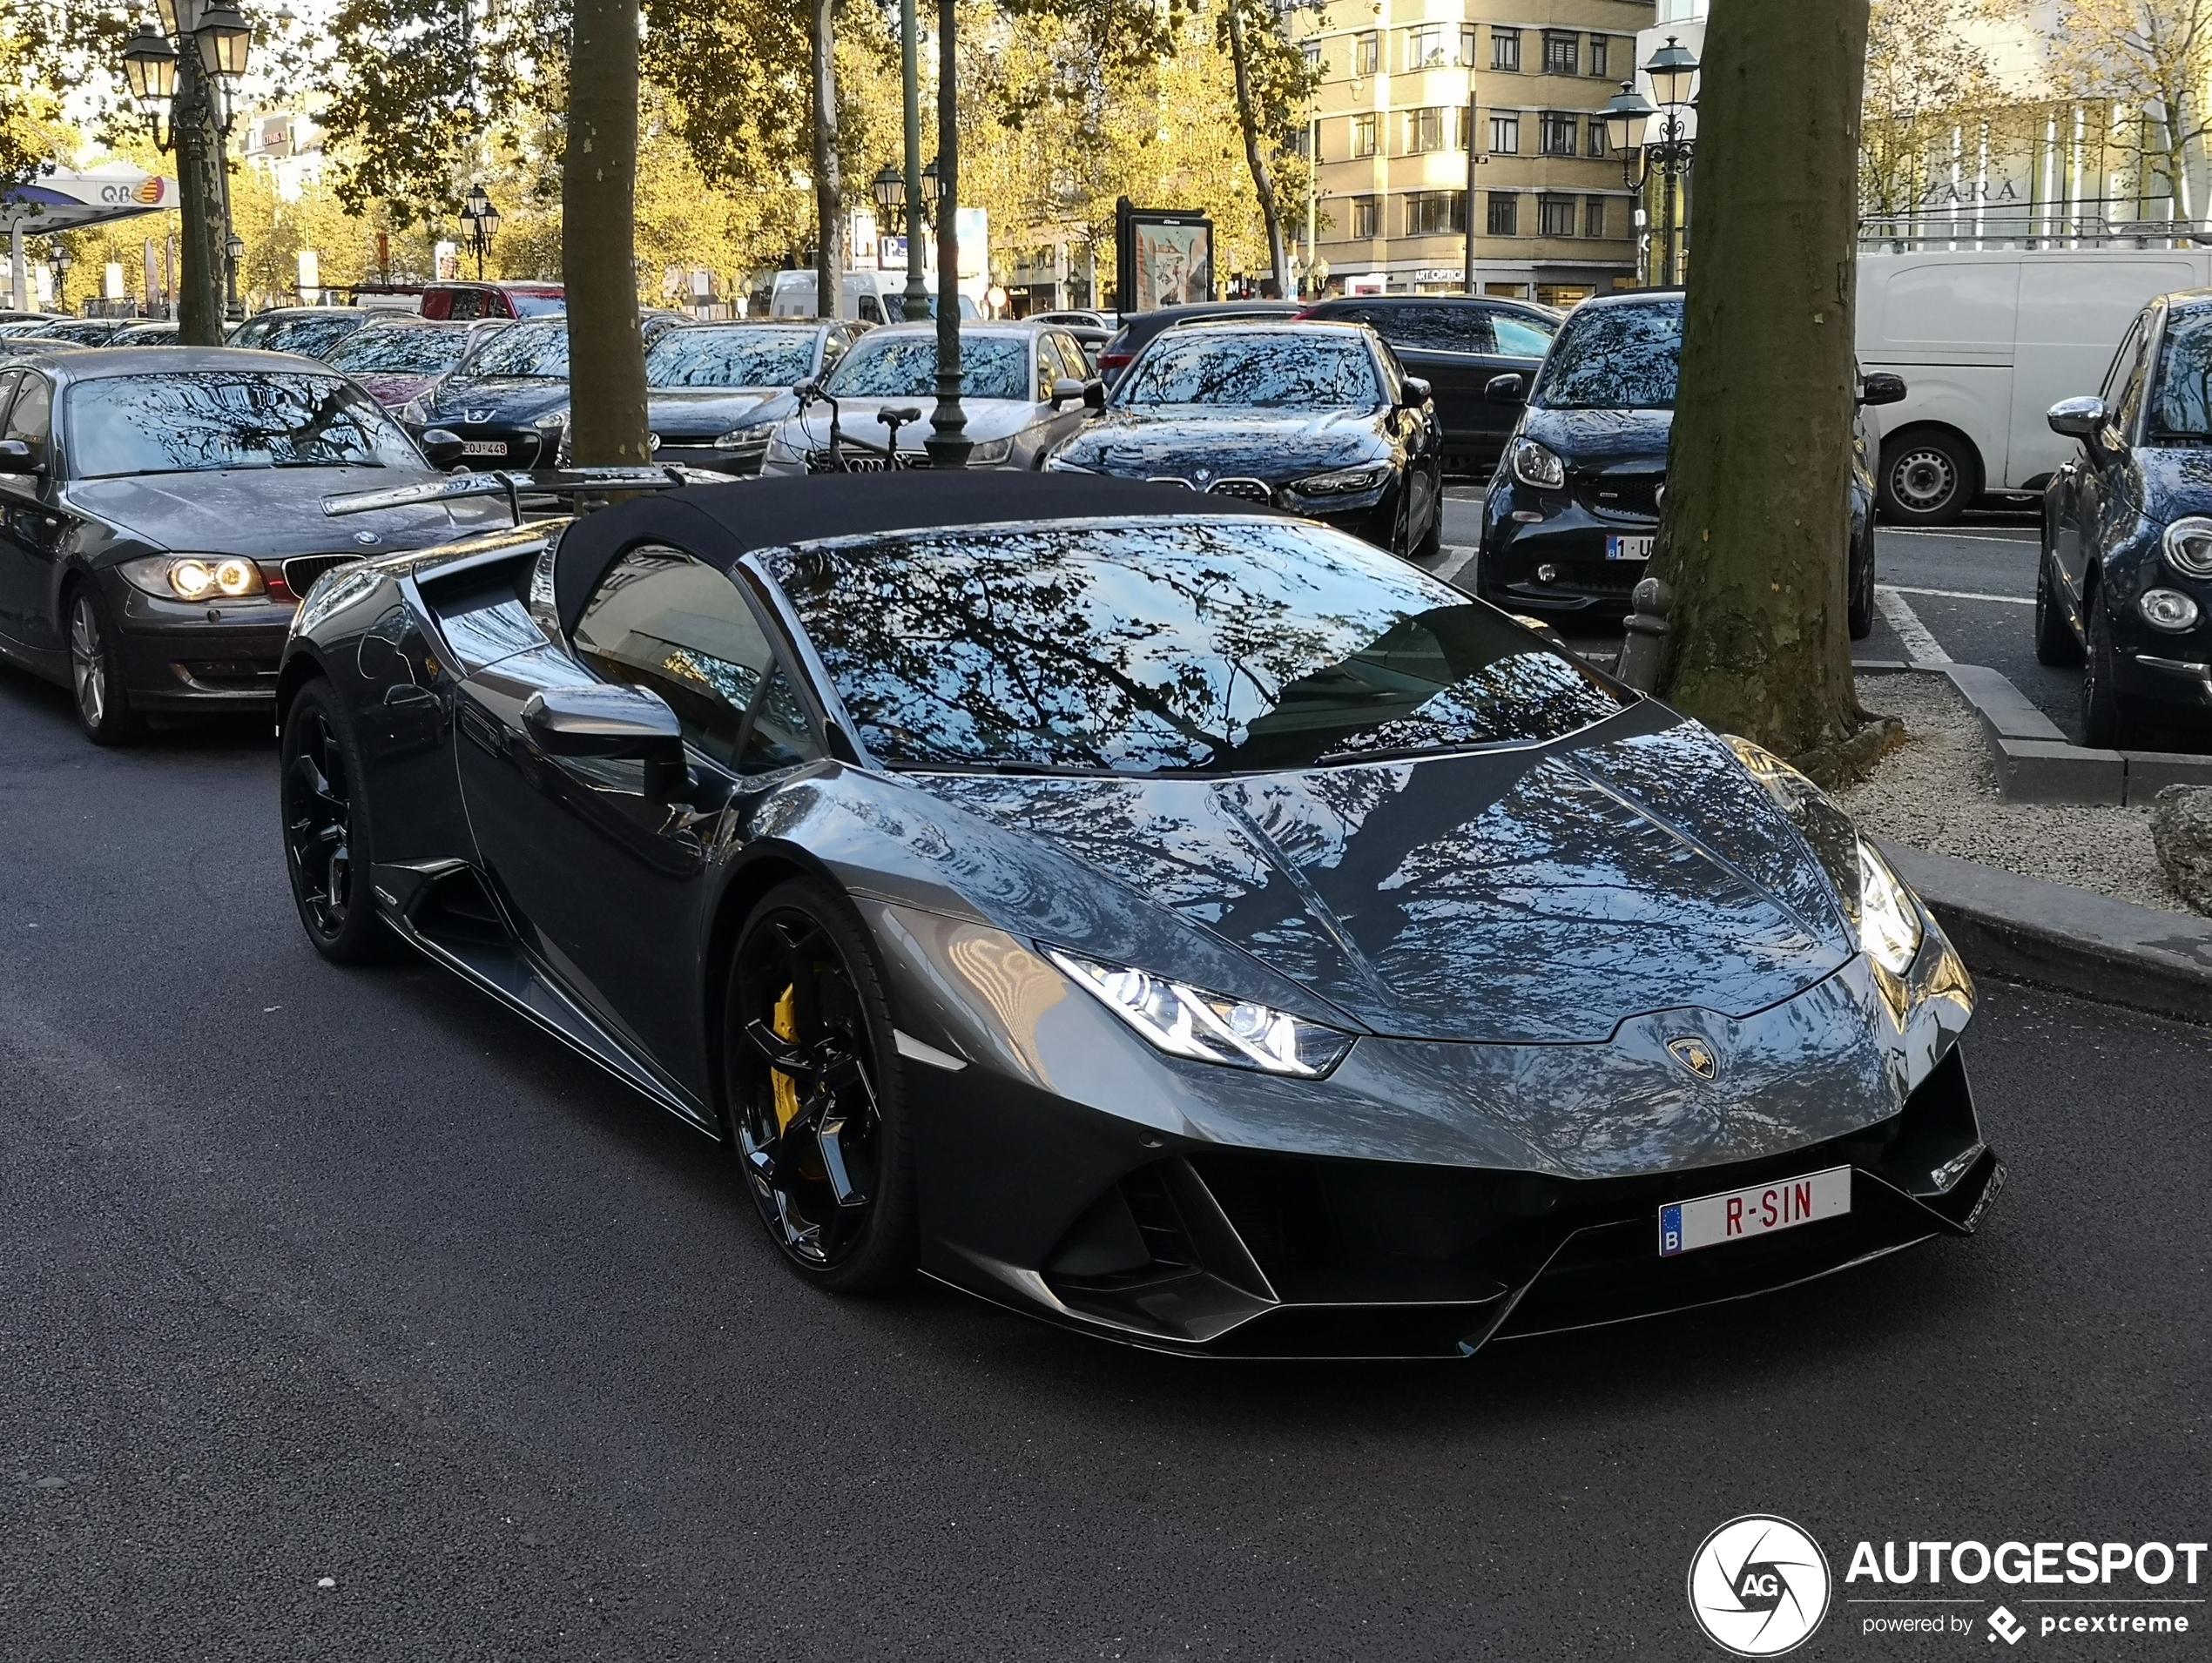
(454, 910)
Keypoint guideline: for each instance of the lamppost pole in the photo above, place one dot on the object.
(1474, 160)
(173, 67)
(1672, 70)
(947, 443)
(916, 302)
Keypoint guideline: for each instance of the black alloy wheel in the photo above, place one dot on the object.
(326, 830)
(814, 1100)
(2055, 642)
(1927, 479)
(96, 670)
(2106, 724)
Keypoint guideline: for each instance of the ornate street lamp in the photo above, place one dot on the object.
(1672, 70)
(1666, 156)
(889, 189)
(63, 261)
(182, 70)
(224, 38)
(150, 70)
(947, 443)
(482, 219)
(1627, 114)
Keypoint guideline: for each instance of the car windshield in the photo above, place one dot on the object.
(1614, 357)
(538, 350)
(310, 337)
(904, 367)
(749, 356)
(538, 306)
(1167, 646)
(196, 422)
(418, 351)
(1304, 369)
(2181, 406)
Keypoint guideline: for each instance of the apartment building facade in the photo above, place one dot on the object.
(1554, 220)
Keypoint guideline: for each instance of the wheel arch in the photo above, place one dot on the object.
(301, 667)
(762, 869)
(1928, 428)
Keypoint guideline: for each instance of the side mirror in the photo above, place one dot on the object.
(1881, 388)
(441, 447)
(2077, 418)
(1093, 394)
(1065, 390)
(1511, 388)
(16, 458)
(612, 722)
(1414, 392)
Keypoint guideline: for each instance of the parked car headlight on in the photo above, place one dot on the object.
(2189, 546)
(1888, 919)
(2168, 609)
(195, 577)
(990, 453)
(1533, 464)
(1341, 481)
(1186, 1021)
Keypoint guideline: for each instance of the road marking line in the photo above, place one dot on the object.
(1919, 645)
(1963, 536)
(1456, 558)
(1965, 595)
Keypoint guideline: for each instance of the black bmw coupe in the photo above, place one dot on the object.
(1166, 918)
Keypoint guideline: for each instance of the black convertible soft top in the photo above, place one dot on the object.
(722, 523)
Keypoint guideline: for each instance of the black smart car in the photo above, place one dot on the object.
(2124, 583)
(1457, 344)
(1573, 511)
(1316, 418)
(160, 511)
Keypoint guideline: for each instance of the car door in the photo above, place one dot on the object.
(610, 883)
(2086, 496)
(30, 528)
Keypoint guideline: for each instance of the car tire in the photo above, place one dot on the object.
(2107, 722)
(96, 683)
(1430, 550)
(1927, 479)
(1859, 614)
(805, 990)
(323, 790)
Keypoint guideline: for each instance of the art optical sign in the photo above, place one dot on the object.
(1760, 1586)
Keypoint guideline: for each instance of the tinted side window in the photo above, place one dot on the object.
(662, 620)
(7, 391)
(30, 417)
(2130, 401)
(1433, 328)
(1518, 337)
(2123, 360)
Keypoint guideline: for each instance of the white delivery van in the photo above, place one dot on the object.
(870, 297)
(1987, 340)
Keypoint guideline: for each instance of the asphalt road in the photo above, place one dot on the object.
(343, 1315)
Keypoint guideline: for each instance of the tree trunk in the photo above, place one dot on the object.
(1754, 539)
(598, 238)
(829, 185)
(1263, 181)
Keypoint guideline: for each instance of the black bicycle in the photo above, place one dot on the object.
(838, 456)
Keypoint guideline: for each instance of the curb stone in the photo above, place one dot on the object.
(2056, 936)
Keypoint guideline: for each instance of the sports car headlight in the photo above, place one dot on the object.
(195, 577)
(989, 453)
(1533, 464)
(1889, 921)
(2189, 546)
(1340, 482)
(1186, 1021)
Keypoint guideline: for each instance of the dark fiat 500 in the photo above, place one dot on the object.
(160, 511)
(2125, 581)
(1574, 509)
(1316, 418)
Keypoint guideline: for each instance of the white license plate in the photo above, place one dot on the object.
(1628, 548)
(498, 447)
(1739, 1214)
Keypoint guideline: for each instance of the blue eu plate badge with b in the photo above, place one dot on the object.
(1670, 1231)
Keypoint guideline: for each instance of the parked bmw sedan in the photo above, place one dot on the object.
(507, 400)
(1162, 917)
(716, 391)
(1316, 418)
(1023, 386)
(1573, 510)
(2124, 583)
(160, 514)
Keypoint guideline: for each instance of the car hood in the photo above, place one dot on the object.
(1621, 441)
(1199, 442)
(267, 512)
(702, 412)
(507, 398)
(987, 418)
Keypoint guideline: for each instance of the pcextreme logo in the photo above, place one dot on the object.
(1758, 1585)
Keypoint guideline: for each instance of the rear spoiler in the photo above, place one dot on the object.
(564, 482)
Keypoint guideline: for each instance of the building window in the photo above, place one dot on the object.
(1597, 146)
(1466, 46)
(1314, 60)
(1434, 213)
(1366, 53)
(1424, 130)
(1594, 216)
(1505, 135)
(1462, 121)
(1555, 215)
(1599, 58)
(1366, 224)
(1424, 47)
(1558, 132)
(1562, 53)
(1363, 137)
(1505, 49)
(1505, 214)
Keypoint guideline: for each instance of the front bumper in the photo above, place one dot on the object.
(179, 656)
(1569, 540)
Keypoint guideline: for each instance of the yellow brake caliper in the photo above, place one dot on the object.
(785, 1021)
